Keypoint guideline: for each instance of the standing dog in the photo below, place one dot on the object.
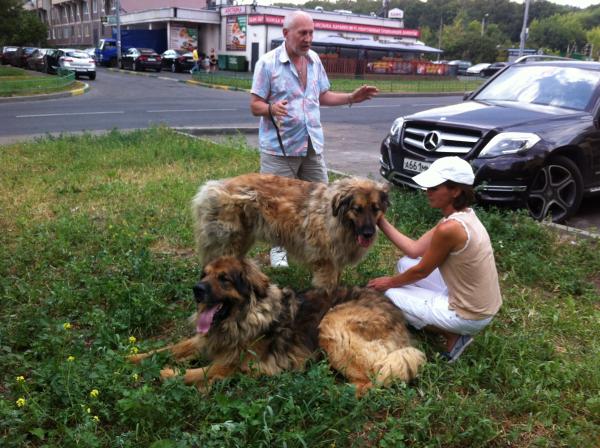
(246, 324)
(326, 227)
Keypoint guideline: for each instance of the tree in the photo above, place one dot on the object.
(20, 27)
(593, 38)
(559, 32)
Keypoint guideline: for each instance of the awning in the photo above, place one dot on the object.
(369, 44)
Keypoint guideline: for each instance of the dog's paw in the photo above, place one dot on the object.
(168, 373)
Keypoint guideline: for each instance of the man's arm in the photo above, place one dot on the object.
(359, 95)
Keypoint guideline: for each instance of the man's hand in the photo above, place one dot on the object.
(363, 93)
(381, 284)
(279, 109)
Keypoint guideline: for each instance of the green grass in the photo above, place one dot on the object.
(96, 247)
(18, 82)
(396, 84)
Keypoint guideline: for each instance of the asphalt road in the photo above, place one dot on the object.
(127, 101)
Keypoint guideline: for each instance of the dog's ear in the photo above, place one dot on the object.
(254, 279)
(340, 203)
(384, 198)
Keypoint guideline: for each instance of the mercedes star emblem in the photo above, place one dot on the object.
(432, 141)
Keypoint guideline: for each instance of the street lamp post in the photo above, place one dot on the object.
(524, 29)
(118, 14)
(483, 20)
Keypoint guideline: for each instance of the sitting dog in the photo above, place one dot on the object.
(325, 227)
(246, 324)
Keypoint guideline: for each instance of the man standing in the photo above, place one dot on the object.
(196, 67)
(289, 86)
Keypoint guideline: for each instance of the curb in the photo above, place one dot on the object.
(47, 96)
(211, 130)
(572, 231)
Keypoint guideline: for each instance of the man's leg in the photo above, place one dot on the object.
(313, 168)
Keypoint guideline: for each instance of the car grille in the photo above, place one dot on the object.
(431, 139)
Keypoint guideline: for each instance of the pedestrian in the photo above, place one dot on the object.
(289, 85)
(214, 62)
(447, 281)
(196, 59)
(205, 63)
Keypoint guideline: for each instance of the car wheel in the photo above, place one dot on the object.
(556, 190)
(173, 68)
(92, 76)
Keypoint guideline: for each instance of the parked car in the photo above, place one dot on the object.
(531, 133)
(91, 51)
(493, 68)
(475, 70)
(141, 59)
(177, 60)
(7, 53)
(19, 57)
(76, 61)
(50, 63)
(461, 66)
(37, 59)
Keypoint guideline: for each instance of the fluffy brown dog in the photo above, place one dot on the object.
(246, 324)
(325, 227)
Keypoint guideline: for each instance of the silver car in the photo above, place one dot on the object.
(77, 61)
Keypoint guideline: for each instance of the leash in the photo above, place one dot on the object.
(280, 140)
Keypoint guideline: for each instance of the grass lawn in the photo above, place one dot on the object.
(96, 262)
(18, 82)
(396, 84)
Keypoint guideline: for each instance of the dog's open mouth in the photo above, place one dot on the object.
(205, 318)
(364, 241)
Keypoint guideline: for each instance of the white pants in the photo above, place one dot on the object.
(426, 303)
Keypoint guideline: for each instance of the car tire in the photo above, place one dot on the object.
(92, 76)
(158, 70)
(173, 67)
(556, 190)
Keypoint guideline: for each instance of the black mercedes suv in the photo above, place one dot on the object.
(531, 133)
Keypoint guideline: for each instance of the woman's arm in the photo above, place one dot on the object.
(443, 239)
(410, 247)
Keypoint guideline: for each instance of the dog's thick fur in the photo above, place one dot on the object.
(247, 324)
(325, 227)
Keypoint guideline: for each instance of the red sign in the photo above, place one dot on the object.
(339, 26)
(233, 10)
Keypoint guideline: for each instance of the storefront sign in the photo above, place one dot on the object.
(339, 26)
(233, 10)
(183, 38)
(235, 33)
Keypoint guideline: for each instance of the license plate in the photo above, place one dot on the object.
(415, 165)
(151, 59)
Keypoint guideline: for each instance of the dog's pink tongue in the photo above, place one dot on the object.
(365, 242)
(205, 319)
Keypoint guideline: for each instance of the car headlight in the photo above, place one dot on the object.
(509, 143)
(396, 129)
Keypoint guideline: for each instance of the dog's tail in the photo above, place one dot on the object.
(403, 364)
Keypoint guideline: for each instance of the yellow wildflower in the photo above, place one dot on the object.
(20, 379)
(132, 339)
(94, 393)
(88, 410)
(134, 350)
(67, 326)
(135, 377)
(96, 418)
(21, 402)
(71, 358)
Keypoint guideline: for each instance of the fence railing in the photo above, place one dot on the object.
(35, 85)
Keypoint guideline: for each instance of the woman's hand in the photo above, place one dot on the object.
(381, 284)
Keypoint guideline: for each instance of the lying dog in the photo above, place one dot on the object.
(246, 324)
(325, 227)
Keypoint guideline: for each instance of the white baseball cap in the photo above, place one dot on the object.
(447, 168)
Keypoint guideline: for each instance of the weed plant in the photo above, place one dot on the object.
(96, 262)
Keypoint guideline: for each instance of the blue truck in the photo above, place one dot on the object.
(106, 52)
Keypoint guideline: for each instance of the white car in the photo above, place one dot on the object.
(77, 61)
(475, 70)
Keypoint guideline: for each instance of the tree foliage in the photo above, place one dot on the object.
(556, 28)
(18, 26)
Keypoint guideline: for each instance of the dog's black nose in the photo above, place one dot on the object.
(368, 232)
(201, 290)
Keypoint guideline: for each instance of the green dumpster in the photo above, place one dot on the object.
(222, 60)
(237, 63)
